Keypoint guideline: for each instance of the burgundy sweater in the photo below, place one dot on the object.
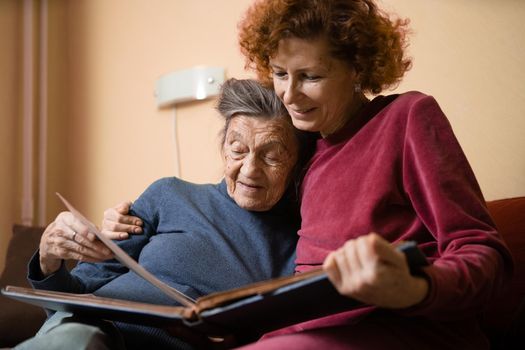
(398, 170)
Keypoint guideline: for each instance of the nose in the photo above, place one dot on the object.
(250, 166)
(291, 91)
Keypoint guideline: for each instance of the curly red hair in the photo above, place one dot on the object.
(357, 30)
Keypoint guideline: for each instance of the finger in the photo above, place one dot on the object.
(79, 235)
(119, 215)
(123, 207)
(348, 259)
(366, 251)
(332, 270)
(93, 248)
(90, 260)
(112, 214)
(390, 254)
(64, 219)
(64, 230)
(119, 224)
(53, 244)
(72, 226)
(114, 226)
(77, 251)
(382, 251)
(47, 239)
(130, 220)
(85, 234)
(115, 235)
(343, 268)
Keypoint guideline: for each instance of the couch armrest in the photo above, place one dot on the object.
(19, 321)
(507, 311)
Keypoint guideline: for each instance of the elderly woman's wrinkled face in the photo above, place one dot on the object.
(316, 88)
(260, 154)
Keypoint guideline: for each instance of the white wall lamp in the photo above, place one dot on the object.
(197, 83)
(194, 84)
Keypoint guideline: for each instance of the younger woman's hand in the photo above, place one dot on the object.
(371, 270)
(118, 225)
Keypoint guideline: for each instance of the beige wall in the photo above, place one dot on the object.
(470, 55)
(108, 140)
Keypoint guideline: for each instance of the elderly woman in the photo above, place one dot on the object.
(386, 170)
(197, 238)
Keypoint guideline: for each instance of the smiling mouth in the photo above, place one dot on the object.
(249, 187)
(301, 112)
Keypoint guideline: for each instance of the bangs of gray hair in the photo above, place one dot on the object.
(249, 98)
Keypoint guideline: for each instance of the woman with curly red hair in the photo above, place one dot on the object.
(385, 170)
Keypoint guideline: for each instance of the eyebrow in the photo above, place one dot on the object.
(319, 67)
(236, 135)
(277, 143)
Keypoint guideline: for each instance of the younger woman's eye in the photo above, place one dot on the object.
(279, 74)
(312, 77)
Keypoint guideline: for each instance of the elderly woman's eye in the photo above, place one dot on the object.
(273, 158)
(235, 148)
(237, 152)
(270, 160)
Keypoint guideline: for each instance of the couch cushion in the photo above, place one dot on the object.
(509, 216)
(19, 321)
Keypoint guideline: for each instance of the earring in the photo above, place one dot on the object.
(357, 87)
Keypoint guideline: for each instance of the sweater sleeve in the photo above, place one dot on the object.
(60, 281)
(472, 262)
(84, 277)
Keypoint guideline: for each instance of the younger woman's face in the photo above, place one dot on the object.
(316, 88)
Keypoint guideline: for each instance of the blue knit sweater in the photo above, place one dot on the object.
(196, 239)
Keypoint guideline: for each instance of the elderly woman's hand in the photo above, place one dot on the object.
(118, 225)
(371, 270)
(67, 238)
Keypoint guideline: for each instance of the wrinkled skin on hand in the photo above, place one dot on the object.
(66, 238)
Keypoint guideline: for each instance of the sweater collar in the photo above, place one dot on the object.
(355, 124)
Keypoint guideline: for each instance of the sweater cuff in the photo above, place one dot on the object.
(37, 279)
(425, 305)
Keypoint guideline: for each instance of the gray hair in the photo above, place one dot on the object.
(249, 98)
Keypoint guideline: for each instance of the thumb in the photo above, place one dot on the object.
(331, 268)
(123, 208)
